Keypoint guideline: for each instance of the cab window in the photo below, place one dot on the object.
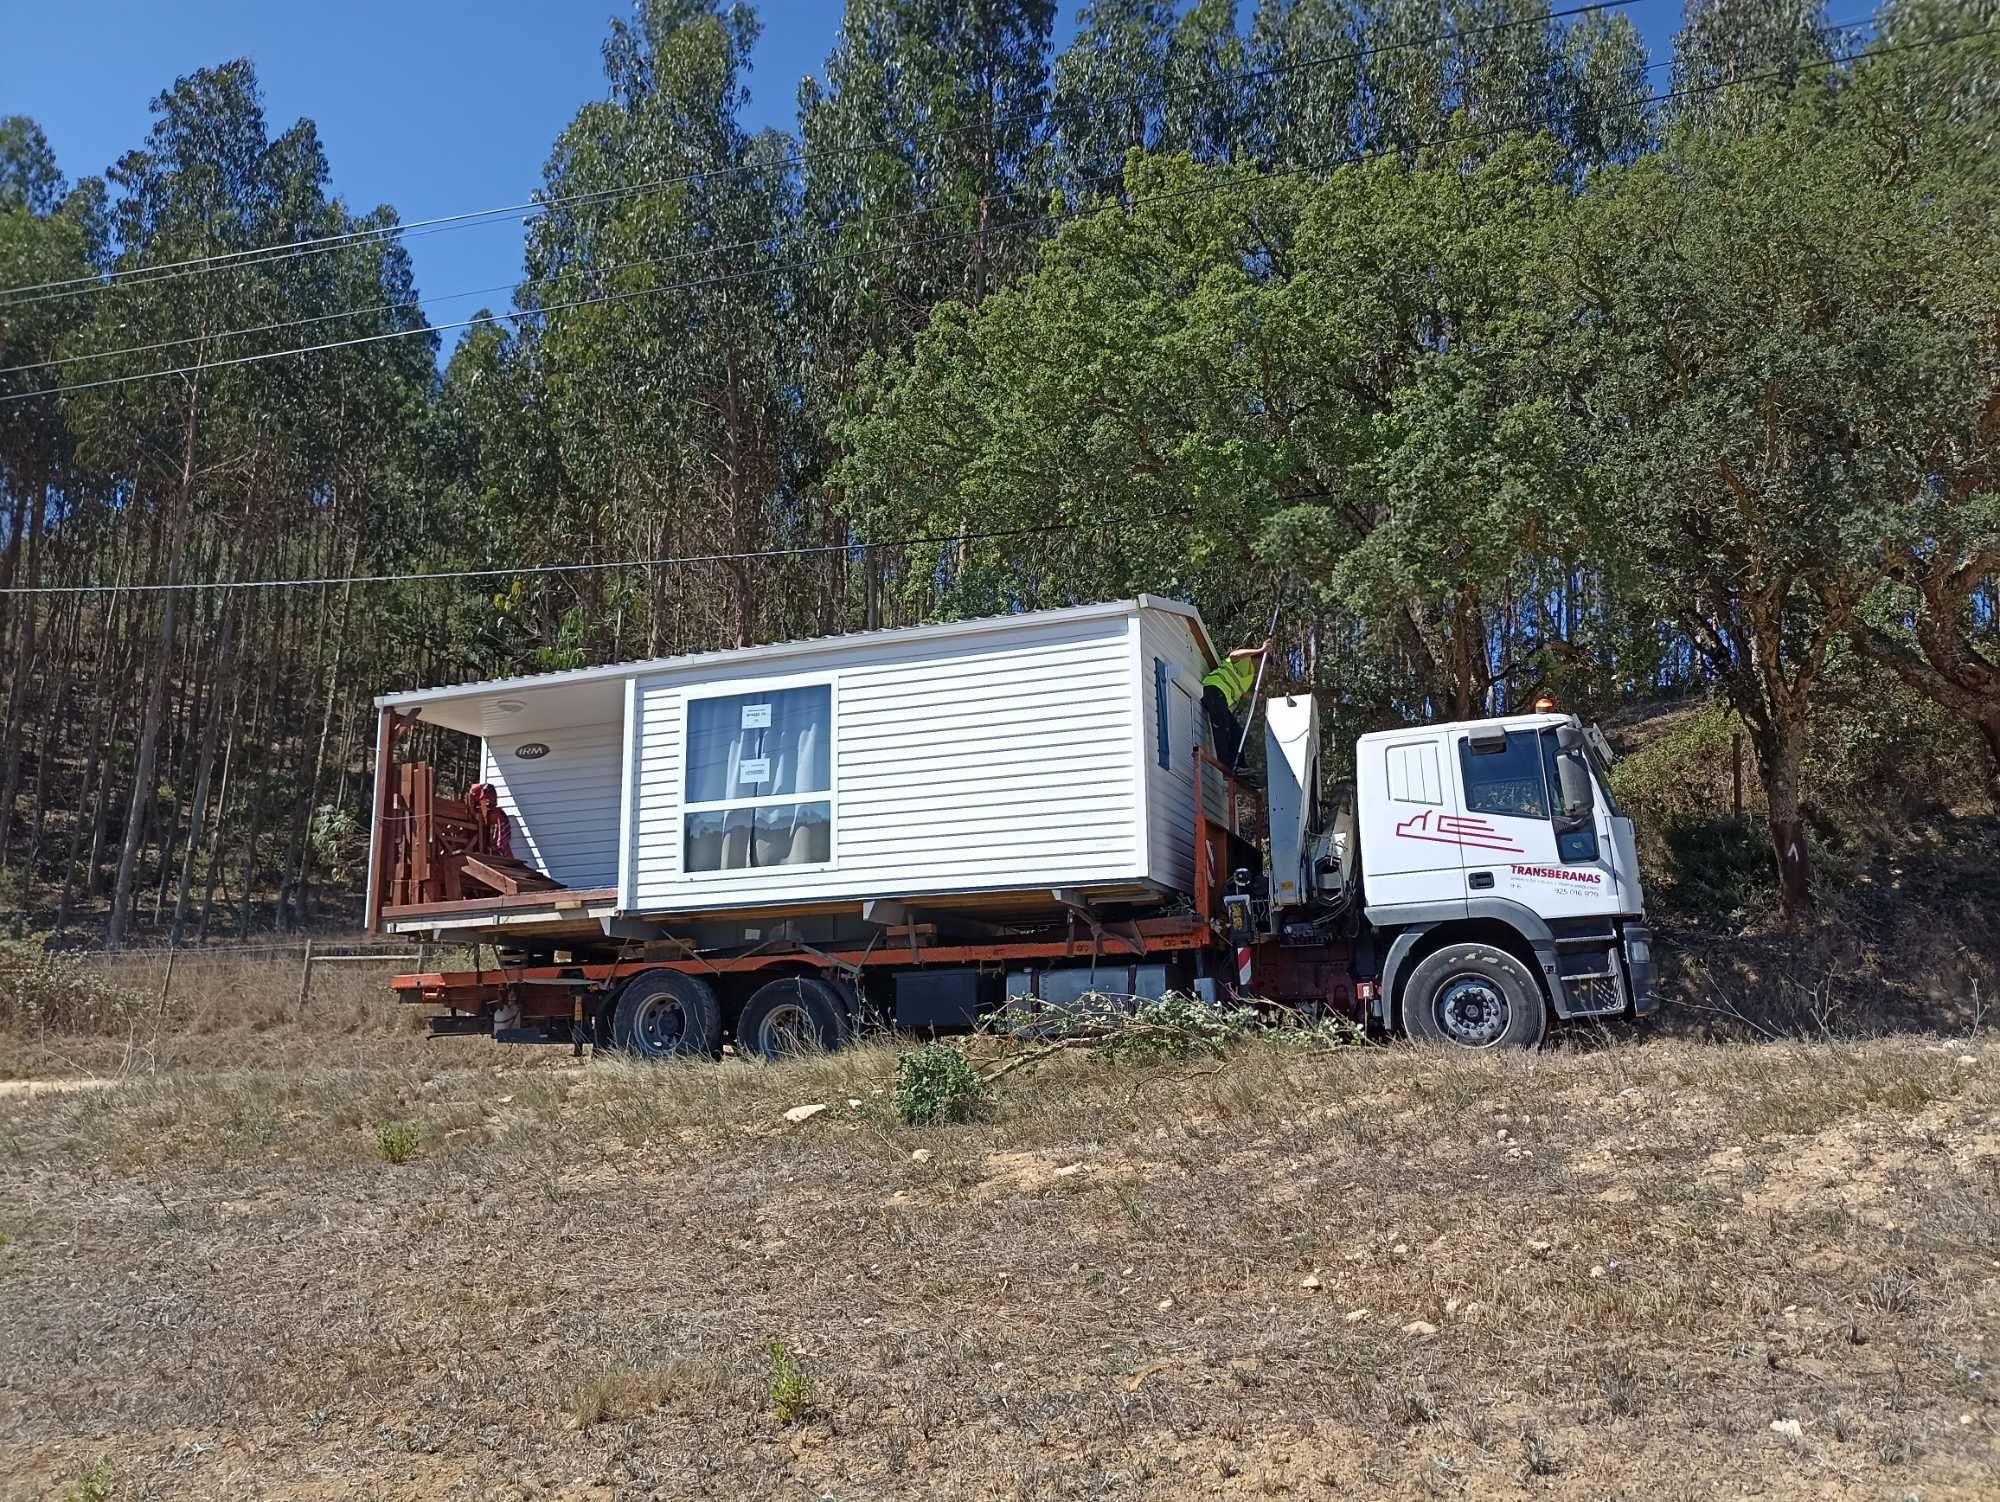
(1504, 779)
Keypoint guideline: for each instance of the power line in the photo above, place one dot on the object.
(326, 581)
(1226, 184)
(412, 305)
(326, 244)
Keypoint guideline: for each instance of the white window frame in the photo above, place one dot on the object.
(744, 688)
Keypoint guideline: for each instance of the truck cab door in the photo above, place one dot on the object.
(1514, 848)
(1412, 864)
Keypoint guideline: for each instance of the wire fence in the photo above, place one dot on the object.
(307, 954)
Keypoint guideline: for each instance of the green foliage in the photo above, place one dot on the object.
(95, 1484)
(398, 1141)
(1617, 406)
(339, 843)
(1320, 1036)
(791, 1391)
(938, 1083)
(62, 992)
(1685, 771)
(1175, 1027)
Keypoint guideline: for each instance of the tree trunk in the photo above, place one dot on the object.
(24, 670)
(304, 869)
(1780, 747)
(147, 756)
(204, 765)
(1989, 732)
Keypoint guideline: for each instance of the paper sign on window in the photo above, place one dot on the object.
(756, 717)
(755, 769)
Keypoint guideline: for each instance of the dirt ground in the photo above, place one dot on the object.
(1620, 1269)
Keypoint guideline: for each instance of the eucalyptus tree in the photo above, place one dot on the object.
(1308, 87)
(923, 172)
(1107, 93)
(1737, 62)
(219, 460)
(668, 399)
(39, 246)
(29, 177)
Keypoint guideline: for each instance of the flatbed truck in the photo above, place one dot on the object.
(1470, 884)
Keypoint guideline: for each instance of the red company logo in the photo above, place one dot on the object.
(1559, 873)
(1474, 834)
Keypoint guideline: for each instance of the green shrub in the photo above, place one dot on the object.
(791, 1393)
(1685, 771)
(398, 1140)
(937, 1083)
(94, 1485)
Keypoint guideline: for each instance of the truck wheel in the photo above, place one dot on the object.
(785, 1018)
(665, 1014)
(1473, 996)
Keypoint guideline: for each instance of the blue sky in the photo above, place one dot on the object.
(436, 108)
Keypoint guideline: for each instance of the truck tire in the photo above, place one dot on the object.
(664, 1014)
(1473, 996)
(785, 1018)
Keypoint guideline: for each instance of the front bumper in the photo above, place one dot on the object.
(1638, 944)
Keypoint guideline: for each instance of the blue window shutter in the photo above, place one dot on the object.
(1165, 734)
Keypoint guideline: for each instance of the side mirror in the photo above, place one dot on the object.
(1579, 794)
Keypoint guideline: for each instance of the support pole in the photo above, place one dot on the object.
(306, 973)
(1257, 688)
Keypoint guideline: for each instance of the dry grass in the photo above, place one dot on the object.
(212, 1277)
(217, 1010)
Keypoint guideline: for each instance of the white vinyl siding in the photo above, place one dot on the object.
(999, 759)
(563, 806)
(1170, 790)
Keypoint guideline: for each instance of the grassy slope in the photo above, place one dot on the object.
(214, 1279)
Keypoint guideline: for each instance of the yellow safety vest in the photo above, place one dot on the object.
(1234, 678)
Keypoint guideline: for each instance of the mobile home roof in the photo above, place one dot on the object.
(777, 651)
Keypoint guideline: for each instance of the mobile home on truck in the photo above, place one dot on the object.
(768, 845)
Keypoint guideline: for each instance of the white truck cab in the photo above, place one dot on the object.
(1482, 865)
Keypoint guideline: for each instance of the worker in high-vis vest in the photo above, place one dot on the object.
(1224, 688)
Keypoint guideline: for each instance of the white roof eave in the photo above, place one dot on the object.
(777, 651)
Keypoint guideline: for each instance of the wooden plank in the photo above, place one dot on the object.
(585, 896)
(424, 783)
(501, 882)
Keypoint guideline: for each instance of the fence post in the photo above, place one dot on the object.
(167, 980)
(306, 972)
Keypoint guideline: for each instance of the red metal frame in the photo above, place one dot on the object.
(467, 990)
(1211, 865)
